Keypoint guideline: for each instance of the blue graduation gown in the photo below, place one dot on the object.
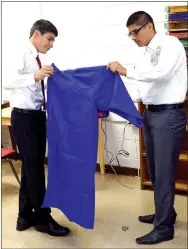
(73, 100)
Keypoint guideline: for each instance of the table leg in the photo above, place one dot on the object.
(101, 148)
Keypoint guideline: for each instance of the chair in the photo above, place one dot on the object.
(5, 154)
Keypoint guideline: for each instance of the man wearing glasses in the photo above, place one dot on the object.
(161, 76)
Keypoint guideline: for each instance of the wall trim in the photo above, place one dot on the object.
(120, 170)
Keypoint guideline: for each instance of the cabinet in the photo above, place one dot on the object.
(177, 18)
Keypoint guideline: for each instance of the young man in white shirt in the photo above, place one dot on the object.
(28, 121)
(161, 77)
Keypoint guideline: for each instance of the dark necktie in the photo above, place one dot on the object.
(42, 84)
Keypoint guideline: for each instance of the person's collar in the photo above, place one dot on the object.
(154, 43)
(33, 49)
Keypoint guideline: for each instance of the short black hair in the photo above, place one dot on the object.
(44, 26)
(140, 18)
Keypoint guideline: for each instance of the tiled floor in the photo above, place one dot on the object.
(116, 206)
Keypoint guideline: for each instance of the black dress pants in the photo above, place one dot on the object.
(29, 131)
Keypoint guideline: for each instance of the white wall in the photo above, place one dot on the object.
(89, 34)
(17, 19)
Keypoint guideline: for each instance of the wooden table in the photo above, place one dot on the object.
(6, 113)
(5, 121)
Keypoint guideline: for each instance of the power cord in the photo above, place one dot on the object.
(120, 152)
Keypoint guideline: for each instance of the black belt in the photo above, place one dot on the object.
(25, 110)
(159, 108)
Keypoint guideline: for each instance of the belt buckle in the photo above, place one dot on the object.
(25, 111)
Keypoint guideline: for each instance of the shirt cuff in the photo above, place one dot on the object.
(132, 74)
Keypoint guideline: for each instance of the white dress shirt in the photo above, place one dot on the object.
(25, 93)
(160, 75)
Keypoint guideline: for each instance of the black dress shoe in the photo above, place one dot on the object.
(147, 218)
(23, 224)
(150, 218)
(52, 228)
(155, 237)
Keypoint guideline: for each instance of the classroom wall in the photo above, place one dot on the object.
(89, 34)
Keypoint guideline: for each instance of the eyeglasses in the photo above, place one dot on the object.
(135, 31)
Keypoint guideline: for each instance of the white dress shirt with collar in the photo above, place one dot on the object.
(160, 75)
(26, 93)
